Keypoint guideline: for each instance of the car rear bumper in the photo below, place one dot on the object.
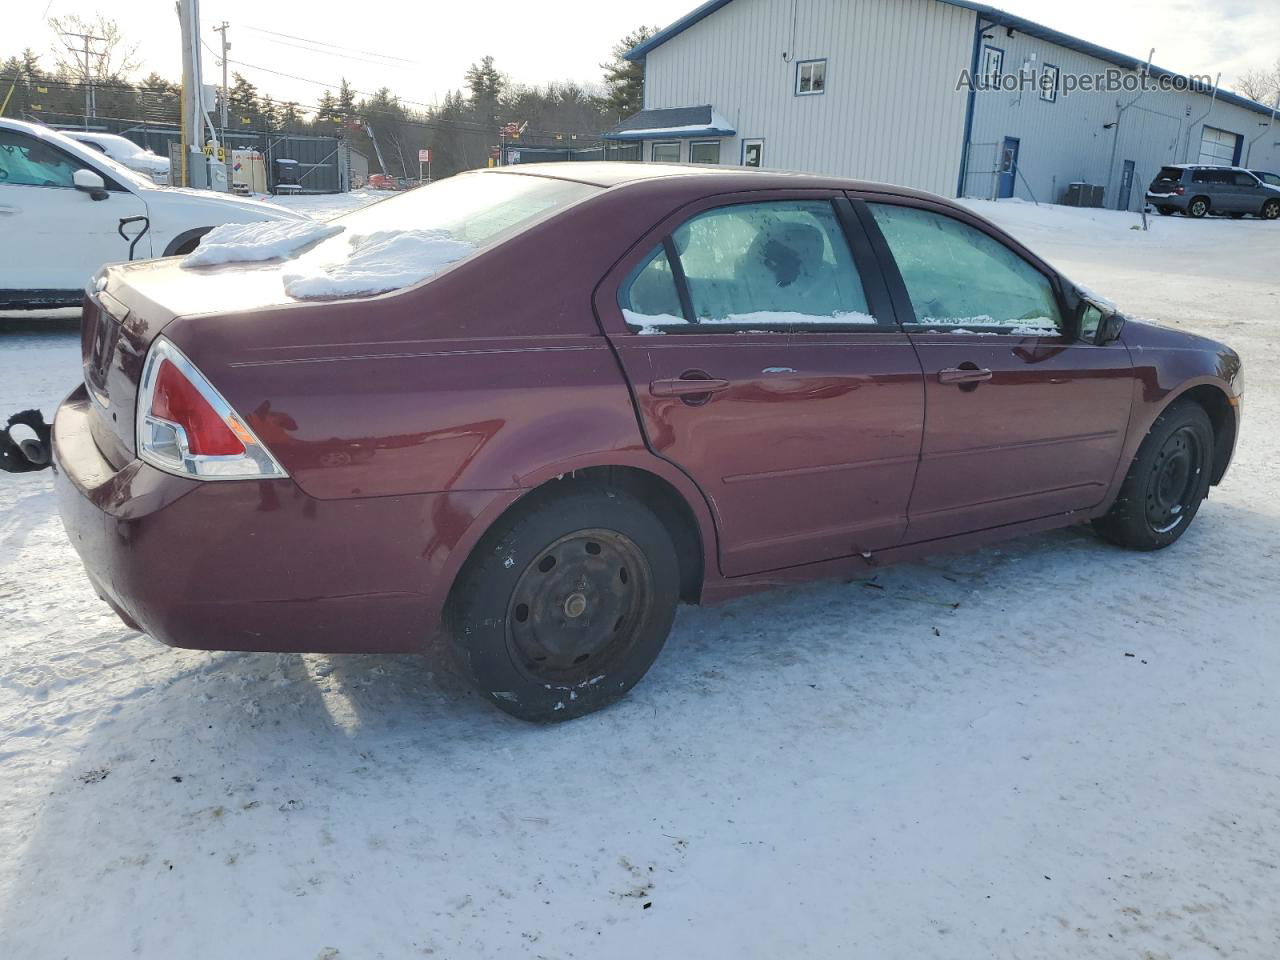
(1177, 201)
(255, 565)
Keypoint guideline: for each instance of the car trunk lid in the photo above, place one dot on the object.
(127, 309)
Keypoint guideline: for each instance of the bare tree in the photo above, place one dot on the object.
(1260, 83)
(110, 56)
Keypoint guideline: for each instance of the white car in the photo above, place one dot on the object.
(125, 151)
(62, 204)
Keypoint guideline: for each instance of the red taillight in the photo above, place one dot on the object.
(175, 399)
(1180, 190)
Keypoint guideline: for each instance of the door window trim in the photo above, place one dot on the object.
(108, 182)
(901, 298)
(875, 288)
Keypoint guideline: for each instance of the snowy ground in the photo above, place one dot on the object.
(1054, 749)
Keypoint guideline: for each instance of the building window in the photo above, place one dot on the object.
(992, 67)
(1049, 83)
(753, 153)
(704, 151)
(811, 77)
(665, 152)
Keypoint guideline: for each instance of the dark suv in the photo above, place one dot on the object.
(1198, 189)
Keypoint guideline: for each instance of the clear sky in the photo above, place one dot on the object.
(536, 42)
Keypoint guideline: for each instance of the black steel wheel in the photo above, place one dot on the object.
(1174, 479)
(564, 605)
(1166, 483)
(579, 604)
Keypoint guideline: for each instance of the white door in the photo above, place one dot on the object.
(56, 237)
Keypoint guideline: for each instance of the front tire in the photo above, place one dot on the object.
(1166, 483)
(565, 604)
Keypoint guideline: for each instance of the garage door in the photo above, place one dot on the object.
(1219, 146)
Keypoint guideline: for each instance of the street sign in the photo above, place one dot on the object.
(424, 156)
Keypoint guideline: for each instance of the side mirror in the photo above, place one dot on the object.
(1099, 324)
(91, 183)
(1109, 329)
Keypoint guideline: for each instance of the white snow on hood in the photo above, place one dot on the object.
(263, 240)
(377, 262)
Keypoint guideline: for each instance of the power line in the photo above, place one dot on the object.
(322, 43)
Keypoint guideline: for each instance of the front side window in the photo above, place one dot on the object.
(811, 77)
(754, 265)
(666, 152)
(1245, 180)
(27, 162)
(992, 67)
(960, 279)
(704, 151)
(1049, 83)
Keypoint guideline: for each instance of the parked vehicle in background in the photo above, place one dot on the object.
(124, 150)
(381, 181)
(711, 381)
(1270, 179)
(61, 207)
(1200, 189)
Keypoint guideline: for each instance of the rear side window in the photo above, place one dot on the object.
(961, 279)
(770, 265)
(1212, 176)
(650, 296)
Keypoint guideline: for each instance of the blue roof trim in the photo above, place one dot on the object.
(668, 134)
(680, 26)
(1000, 18)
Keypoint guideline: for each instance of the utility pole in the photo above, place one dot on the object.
(192, 94)
(90, 94)
(222, 29)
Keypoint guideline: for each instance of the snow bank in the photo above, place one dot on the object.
(378, 262)
(247, 242)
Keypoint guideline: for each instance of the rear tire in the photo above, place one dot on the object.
(565, 604)
(1198, 207)
(1166, 211)
(1166, 483)
(1271, 210)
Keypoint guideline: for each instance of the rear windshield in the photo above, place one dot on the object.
(403, 240)
(1169, 173)
(476, 208)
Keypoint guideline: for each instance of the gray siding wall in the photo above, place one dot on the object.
(1065, 141)
(890, 112)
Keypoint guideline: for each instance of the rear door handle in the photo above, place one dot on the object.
(963, 375)
(680, 387)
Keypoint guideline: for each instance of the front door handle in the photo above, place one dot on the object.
(681, 387)
(963, 375)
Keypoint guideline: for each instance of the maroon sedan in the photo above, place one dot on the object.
(588, 392)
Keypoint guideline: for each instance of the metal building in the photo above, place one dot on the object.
(945, 95)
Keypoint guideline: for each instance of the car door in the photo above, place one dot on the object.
(1247, 192)
(759, 342)
(1024, 418)
(59, 235)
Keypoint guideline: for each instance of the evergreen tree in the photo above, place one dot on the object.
(625, 78)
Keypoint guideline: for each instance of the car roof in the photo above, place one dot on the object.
(620, 173)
